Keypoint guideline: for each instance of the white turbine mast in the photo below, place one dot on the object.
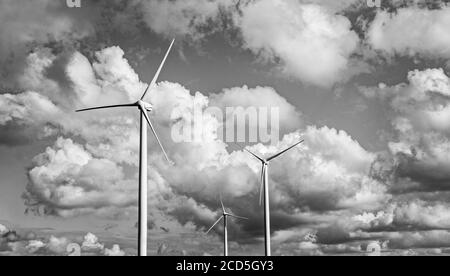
(265, 188)
(224, 216)
(143, 108)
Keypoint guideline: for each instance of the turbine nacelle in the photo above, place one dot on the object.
(144, 105)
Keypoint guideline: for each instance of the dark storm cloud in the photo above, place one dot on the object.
(333, 235)
(430, 176)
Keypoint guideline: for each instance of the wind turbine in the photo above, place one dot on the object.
(224, 216)
(265, 187)
(143, 108)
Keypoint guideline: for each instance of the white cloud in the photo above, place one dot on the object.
(57, 245)
(329, 172)
(115, 251)
(381, 218)
(411, 240)
(419, 213)
(3, 230)
(91, 244)
(294, 32)
(330, 168)
(412, 31)
(30, 109)
(34, 246)
(69, 181)
(326, 181)
(266, 97)
(115, 73)
(34, 74)
(413, 214)
(420, 117)
(84, 82)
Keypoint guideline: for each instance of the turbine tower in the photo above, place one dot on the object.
(143, 108)
(265, 187)
(224, 216)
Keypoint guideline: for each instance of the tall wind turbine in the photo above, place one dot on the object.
(224, 216)
(265, 187)
(143, 108)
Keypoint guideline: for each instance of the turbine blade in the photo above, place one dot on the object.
(261, 187)
(105, 107)
(156, 135)
(223, 207)
(155, 78)
(291, 147)
(209, 230)
(259, 158)
(238, 217)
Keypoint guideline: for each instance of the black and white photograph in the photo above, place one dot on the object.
(225, 128)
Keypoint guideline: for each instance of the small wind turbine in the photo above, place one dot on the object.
(143, 108)
(265, 187)
(224, 216)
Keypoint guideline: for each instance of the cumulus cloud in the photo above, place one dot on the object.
(3, 230)
(329, 172)
(88, 173)
(287, 32)
(260, 97)
(34, 246)
(91, 244)
(331, 184)
(416, 169)
(67, 180)
(332, 169)
(412, 215)
(433, 216)
(47, 110)
(57, 245)
(293, 32)
(115, 251)
(420, 118)
(410, 240)
(72, 244)
(412, 31)
(34, 75)
(27, 108)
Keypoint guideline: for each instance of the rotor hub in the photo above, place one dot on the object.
(145, 105)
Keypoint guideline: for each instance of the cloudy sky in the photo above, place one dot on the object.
(367, 88)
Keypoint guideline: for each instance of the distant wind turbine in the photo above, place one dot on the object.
(224, 216)
(265, 187)
(143, 108)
